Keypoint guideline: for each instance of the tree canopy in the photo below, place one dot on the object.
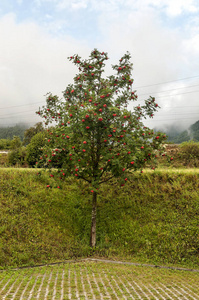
(94, 136)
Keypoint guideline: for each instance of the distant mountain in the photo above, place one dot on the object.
(192, 133)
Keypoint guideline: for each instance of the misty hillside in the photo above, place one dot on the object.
(173, 132)
(9, 132)
(177, 137)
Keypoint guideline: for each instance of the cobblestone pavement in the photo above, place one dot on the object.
(98, 280)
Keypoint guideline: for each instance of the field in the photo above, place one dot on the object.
(153, 219)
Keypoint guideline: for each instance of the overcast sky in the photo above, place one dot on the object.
(37, 36)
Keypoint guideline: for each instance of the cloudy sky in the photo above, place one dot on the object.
(37, 36)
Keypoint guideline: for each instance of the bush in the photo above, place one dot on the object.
(31, 132)
(189, 153)
(3, 159)
(17, 156)
(15, 143)
(34, 148)
(5, 144)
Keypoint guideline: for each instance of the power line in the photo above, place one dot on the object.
(168, 81)
(155, 84)
(165, 91)
(18, 113)
(29, 104)
(171, 95)
(21, 105)
(176, 114)
(30, 111)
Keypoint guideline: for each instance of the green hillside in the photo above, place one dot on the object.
(153, 219)
(9, 132)
(176, 136)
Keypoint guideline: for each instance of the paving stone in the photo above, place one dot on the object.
(96, 280)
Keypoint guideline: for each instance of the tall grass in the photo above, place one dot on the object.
(154, 218)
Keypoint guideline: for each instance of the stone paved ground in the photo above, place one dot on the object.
(98, 280)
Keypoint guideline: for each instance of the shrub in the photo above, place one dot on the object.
(15, 143)
(34, 151)
(5, 144)
(17, 156)
(3, 159)
(189, 153)
(31, 132)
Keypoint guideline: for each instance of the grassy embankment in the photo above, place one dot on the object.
(153, 219)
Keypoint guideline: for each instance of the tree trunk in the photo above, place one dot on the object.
(93, 221)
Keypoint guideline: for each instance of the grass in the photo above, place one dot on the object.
(84, 280)
(153, 219)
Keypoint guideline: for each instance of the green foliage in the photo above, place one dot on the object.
(34, 148)
(154, 218)
(189, 153)
(3, 159)
(96, 137)
(5, 144)
(175, 136)
(15, 143)
(10, 131)
(17, 156)
(18, 153)
(195, 131)
(182, 137)
(195, 127)
(31, 132)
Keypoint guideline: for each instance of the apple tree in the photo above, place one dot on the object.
(93, 135)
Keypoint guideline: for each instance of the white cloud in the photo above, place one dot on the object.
(159, 54)
(32, 64)
(172, 7)
(177, 7)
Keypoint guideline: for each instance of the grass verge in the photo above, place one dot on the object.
(153, 219)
